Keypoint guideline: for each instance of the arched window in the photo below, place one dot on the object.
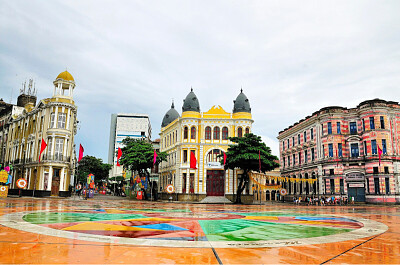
(225, 133)
(193, 132)
(240, 132)
(208, 133)
(216, 133)
(185, 133)
(213, 156)
(247, 130)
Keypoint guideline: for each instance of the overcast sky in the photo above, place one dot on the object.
(291, 57)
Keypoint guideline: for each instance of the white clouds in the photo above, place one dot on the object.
(291, 57)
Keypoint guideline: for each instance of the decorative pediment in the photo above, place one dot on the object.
(353, 138)
(216, 111)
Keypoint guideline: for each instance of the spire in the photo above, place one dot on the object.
(191, 89)
(241, 90)
(172, 105)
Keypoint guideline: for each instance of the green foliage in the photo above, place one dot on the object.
(246, 153)
(138, 155)
(92, 165)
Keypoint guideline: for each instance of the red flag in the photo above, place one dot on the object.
(119, 156)
(80, 152)
(259, 159)
(224, 158)
(42, 147)
(155, 157)
(379, 154)
(193, 160)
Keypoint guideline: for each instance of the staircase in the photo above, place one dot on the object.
(215, 199)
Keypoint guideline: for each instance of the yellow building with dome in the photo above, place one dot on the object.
(204, 135)
(52, 119)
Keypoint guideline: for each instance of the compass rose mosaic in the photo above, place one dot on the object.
(193, 227)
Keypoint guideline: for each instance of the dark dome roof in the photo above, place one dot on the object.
(241, 104)
(170, 116)
(191, 103)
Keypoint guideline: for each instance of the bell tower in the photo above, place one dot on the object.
(64, 85)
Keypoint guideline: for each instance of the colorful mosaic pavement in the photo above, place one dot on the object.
(230, 232)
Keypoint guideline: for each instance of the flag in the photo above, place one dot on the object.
(193, 160)
(80, 152)
(379, 154)
(259, 159)
(155, 157)
(119, 156)
(42, 147)
(224, 158)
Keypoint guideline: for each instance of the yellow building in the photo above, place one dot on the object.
(54, 120)
(204, 134)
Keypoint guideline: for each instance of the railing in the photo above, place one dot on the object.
(56, 157)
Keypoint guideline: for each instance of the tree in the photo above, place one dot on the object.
(92, 165)
(138, 155)
(244, 154)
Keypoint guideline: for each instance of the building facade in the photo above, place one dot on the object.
(201, 136)
(123, 125)
(54, 121)
(340, 148)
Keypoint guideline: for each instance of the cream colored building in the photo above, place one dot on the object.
(205, 134)
(54, 120)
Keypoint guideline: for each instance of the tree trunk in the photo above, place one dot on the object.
(240, 188)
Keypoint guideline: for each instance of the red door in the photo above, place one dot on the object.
(215, 182)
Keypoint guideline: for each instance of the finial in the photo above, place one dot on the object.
(172, 106)
(241, 90)
(191, 89)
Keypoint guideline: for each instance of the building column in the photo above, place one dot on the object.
(49, 182)
(62, 179)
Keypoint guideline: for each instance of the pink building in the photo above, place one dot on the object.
(340, 148)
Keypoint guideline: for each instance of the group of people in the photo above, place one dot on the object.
(323, 200)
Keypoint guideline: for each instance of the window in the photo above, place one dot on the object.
(185, 156)
(338, 127)
(353, 127)
(185, 133)
(284, 162)
(59, 147)
(61, 120)
(322, 129)
(299, 158)
(354, 150)
(298, 139)
(382, 122)
(305, 136)
(329, 127)
(386, 170)
(52, 120)
(373, 147)
(288, 161)
(293, 141)
(193, 132)
(247, 130)
(288, 143)
(184, 183)
(294, 159)
(283, 145)
(340, 152)
(332, 186)
(216, 135)
(365, 148)
(49, 146)
(376, 185)
(372, 123)
(240, 132)
(305, 156)
(312, 133)
(375, 170)
(225, 133)
(384, 146)
(330, 146)
(331, 171)
(208, 133)
(323, 150)
(387, 186)
(312, 154)
(363, 124)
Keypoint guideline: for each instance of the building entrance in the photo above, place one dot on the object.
(55, 182)
(215, 182)
(357, 191)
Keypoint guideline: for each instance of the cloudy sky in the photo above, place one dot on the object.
(291, 57)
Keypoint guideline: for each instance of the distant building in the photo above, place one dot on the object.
(22, 128)
(204, 135)
(339, 147)
(123, 125)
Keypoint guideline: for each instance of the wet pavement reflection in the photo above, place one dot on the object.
(53, 230)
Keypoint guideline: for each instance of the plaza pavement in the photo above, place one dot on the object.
(109, 230)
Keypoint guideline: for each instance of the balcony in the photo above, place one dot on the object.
(56, 158)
